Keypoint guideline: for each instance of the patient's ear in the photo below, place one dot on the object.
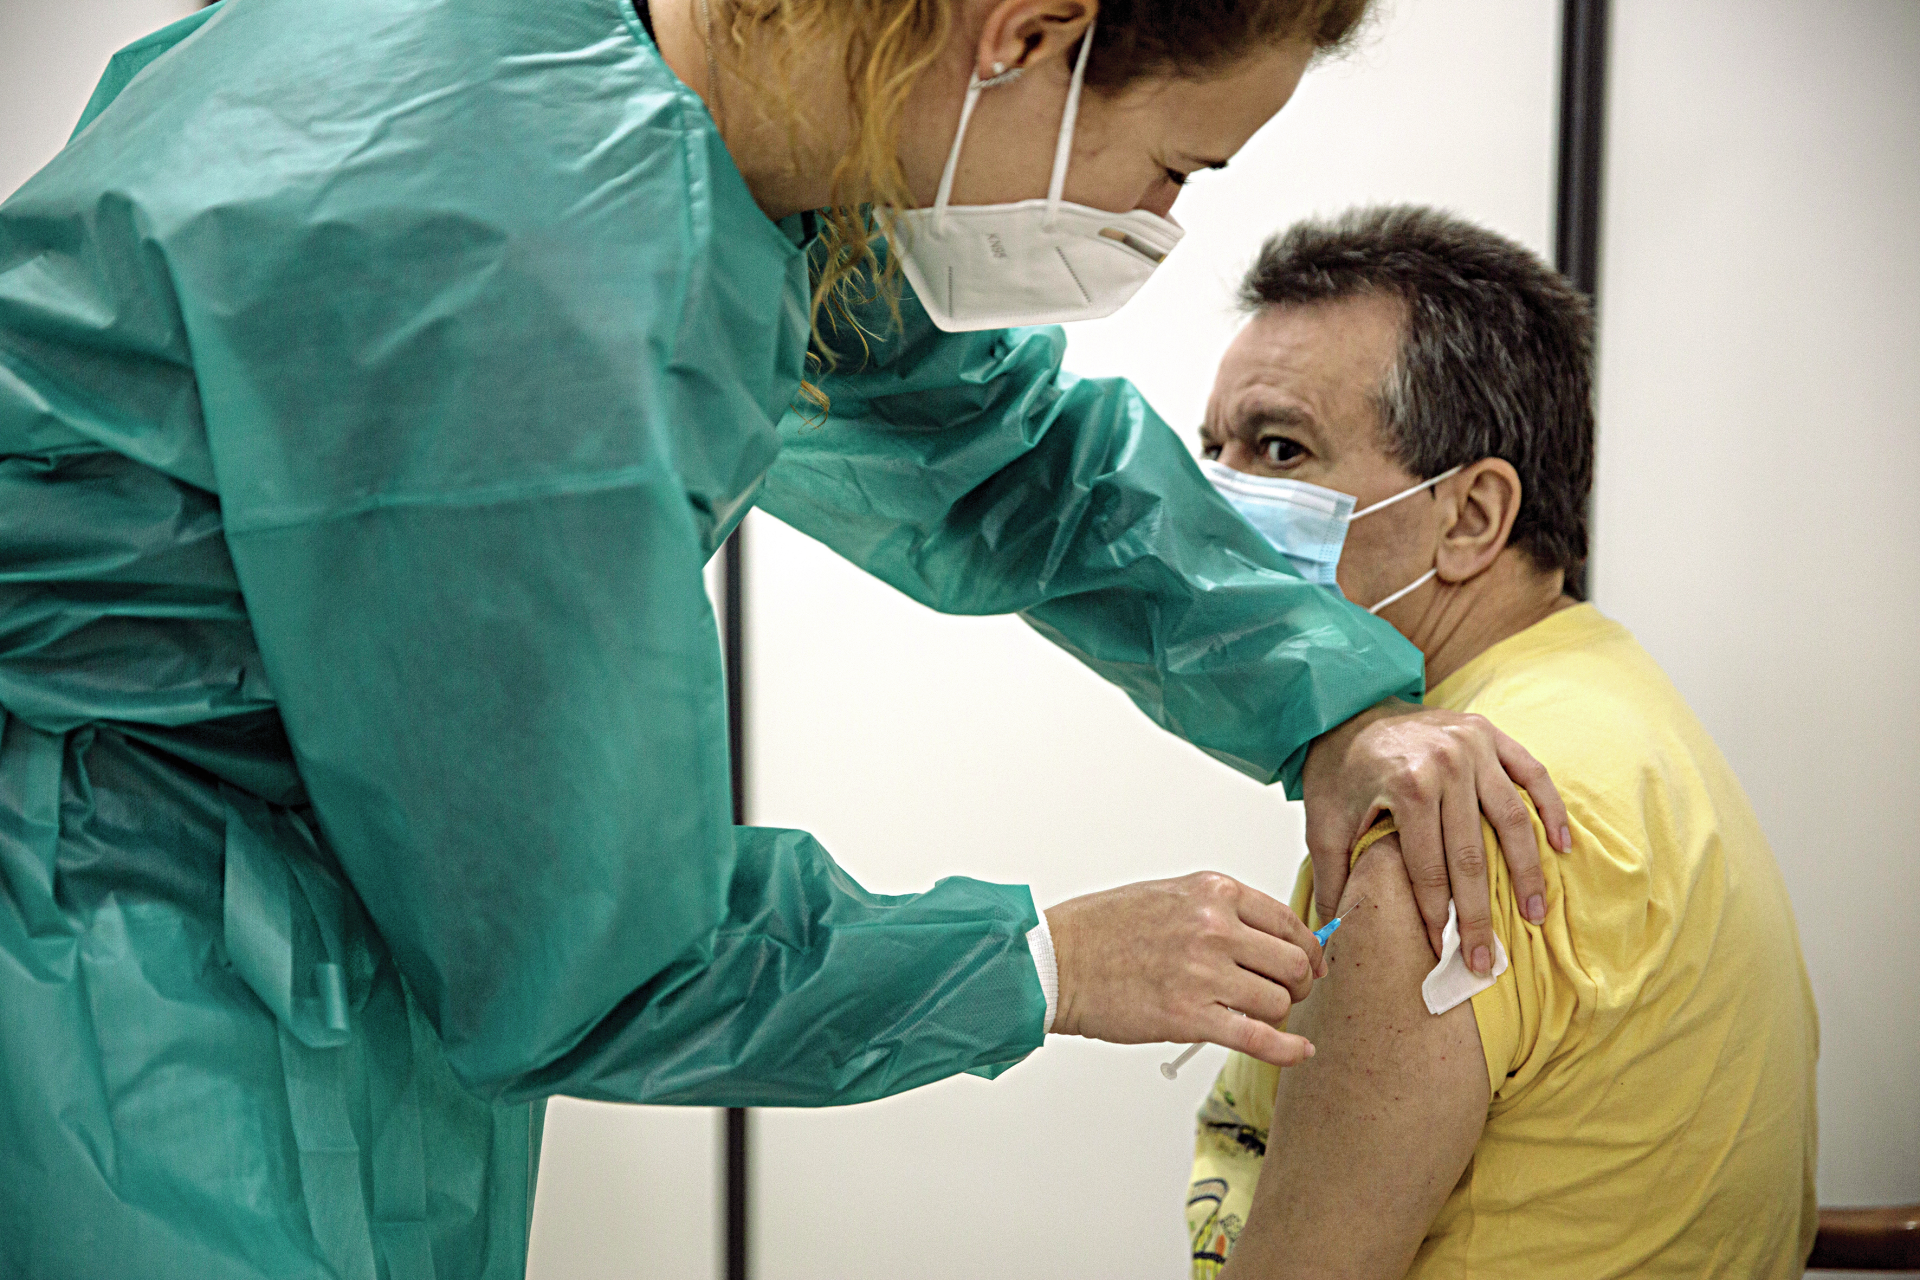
(1478, 507)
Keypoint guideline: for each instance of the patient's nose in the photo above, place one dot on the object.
(1238, 455)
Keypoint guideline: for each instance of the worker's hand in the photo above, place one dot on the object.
(1436, 772)
(1184, 960)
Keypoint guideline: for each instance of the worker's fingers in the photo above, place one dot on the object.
(1513, 827)
(1532, 775)
(1467, 872)
(1330, 868)
(1423, 851)
(1277, 942)
(1272, 960)
(1257, 1039)
(1258, 997)
(1342, 784)
(1436, 772)
(1159, 961)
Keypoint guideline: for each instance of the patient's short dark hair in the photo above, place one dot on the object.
(1495, 361)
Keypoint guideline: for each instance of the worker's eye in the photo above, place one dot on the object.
(1176, 177)
(1210, 450)
(1278, 451)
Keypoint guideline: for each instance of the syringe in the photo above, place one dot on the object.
(1172, 1069)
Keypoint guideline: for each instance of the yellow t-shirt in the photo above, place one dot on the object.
(1651, 1048)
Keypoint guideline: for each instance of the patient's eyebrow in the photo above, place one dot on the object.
(1279, 415)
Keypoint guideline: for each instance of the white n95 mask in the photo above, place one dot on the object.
(1307, 523)
(993, 266)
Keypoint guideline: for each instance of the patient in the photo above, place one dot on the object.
(1633, 1095)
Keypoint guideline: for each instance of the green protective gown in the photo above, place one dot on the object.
(376, 377)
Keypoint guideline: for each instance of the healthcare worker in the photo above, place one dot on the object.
(376, 377)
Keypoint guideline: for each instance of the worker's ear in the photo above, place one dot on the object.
(1022, 34)
(1477, 510)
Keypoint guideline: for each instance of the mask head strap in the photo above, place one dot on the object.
(1062, 151)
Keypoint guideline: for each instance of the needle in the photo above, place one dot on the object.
(1172, 1069)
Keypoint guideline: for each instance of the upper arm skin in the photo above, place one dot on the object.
(1371, 1135)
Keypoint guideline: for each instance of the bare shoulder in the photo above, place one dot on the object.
(1368, 1009)
(1385, 1114)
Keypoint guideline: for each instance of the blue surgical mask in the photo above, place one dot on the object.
(1306, 523)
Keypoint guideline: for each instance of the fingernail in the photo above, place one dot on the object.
(1536, 909)
(1482, 961)
(1566, 840)
(1309, 1048)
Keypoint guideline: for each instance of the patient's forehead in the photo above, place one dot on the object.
(1321, 364)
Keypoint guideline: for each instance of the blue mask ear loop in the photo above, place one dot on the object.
(1430, 574)
(1410, 588)
(1448, 474)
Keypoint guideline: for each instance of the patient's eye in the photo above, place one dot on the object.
(1279, 450)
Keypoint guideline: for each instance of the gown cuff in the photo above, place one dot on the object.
(1040, 943)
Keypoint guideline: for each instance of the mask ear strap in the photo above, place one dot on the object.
(1408, 493)
(1063, 149)
(1411, 587)
(974, 85)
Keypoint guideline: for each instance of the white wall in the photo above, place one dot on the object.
(1756, 514)
(627, 1193)
(917, 746)
(51, 54)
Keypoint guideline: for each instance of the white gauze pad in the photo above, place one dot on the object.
(1451, 982)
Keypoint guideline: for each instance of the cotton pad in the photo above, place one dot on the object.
(1451, 981)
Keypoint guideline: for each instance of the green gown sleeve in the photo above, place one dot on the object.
(481, 607)
(971, 473)
(956, 985)
(509, 715)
